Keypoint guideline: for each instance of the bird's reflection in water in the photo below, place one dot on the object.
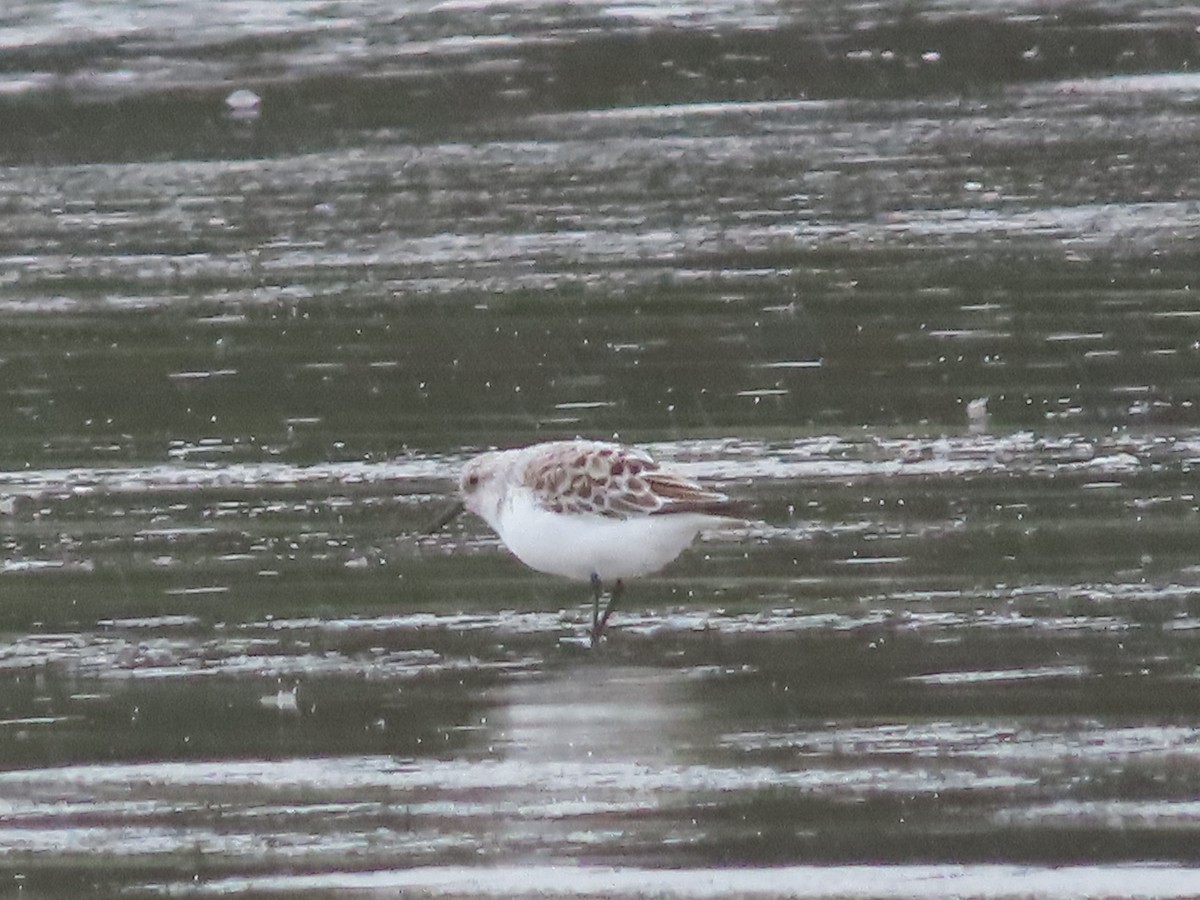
(597, 745)
(599, 713)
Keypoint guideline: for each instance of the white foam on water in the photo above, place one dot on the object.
(988, 882)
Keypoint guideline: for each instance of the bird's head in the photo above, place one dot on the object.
(480, 490)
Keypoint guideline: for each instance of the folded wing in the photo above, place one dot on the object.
(618, 482)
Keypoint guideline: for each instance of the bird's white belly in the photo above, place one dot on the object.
(576, 545)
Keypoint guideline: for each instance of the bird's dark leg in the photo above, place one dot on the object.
(597, 590)
(613, 599)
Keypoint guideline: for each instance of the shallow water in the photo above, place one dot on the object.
(925, 299)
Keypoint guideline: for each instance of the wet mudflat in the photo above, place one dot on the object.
(935, 320)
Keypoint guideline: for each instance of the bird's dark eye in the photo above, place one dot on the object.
(473, 480)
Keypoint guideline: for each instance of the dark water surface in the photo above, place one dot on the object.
(917, 282)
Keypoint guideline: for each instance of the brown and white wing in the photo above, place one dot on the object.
(677, 494)
(585, 477)
(614, 481)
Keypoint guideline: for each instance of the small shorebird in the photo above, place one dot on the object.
(589, 511)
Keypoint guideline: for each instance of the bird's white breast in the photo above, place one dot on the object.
(576, 545)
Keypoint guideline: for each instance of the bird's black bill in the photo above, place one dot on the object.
(446, 517)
